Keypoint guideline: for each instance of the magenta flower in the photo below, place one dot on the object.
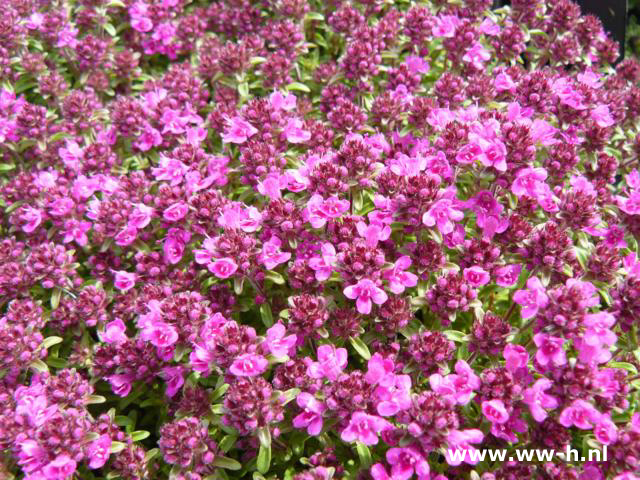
(445, 25)
(75, 230)
(294, 133)
(114, 332)
(124, 280)
(60, 468)
(494, 154)
(170, 170)
(602, 116)
(223, 267)
(516, 357)
(417, 64)
(271, 255)
(495, 411)
(238, 131)
(380, 370)
(121, 384)
(319, 210)
(30, 219)
(407, 461)
(443, 214)
(323, 265)
(141, 216)
(538, 401)
(174, 377)
(331, 362)
(508, 275)
(580, 414)
(373, 233)
(532, 299)
(476, 55)
(476, 276)
(98, 451)
(175, 212)
(529, 182)
(398, 277)
(364, 428)
(597, 338)
(311, 416)
(393, 395)
(468, 154)
(159, 333)
(249, 365)
(365, 292)
(32, 456)
(149, 138)
(174, 244)
(550, 350)
(279, 101)
(276, 342)
(605, 430)
(463, 440)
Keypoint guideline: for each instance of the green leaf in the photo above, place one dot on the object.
(117, 447)
(50, 342)
(226, 462)
(625, 366)
(227, 442)
(264, 459)
(360, 347)
(55, 298)
(39, 365)
(301, 87)
(264, 435)
(364, 455)
(275, 277)
(243, 89)
(238, 285)
(5, 167)
(151, 454)
(455, 336)
(220, 391)
(265, 313)
(96, 399)
(314, 16)
(110, 29)
(139, 435)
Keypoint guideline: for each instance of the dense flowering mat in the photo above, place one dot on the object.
(303, 240)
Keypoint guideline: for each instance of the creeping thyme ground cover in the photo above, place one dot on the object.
(292, 239)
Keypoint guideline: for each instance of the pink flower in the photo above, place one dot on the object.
(532, 299)
(30, 218)
(407, 461)
(170, 170)
(416, 64)
(114, 332)
(238, 215)
(529, 182)
(175, 212)
(174, 244)
(61, 468)
(443, 214)
(323, 265)
(149, 138)
(156, 331)
(462, 440)
(319, 210)
(249, 365)
(594, 344)
(272, 185)
(141, 216)
(282, 102)
(507, 276)
(32, 456)
(537, 400)
(238, 131)
(516, 357)
(494, 154)
(373, 233)
(71, 155)
(380, 370)
(124, 280)
(602, 116)
(469, 153)
(311, 416)
(504, 83)
(276, 342)
(495, 411)
(580, 414)
(294, 132)
(393, 395)
(398, 277)
(549, 350)
(365, 291)
(175, 379)
(476, 276)
(605, 430)
(445, 26)
(98, 451)
(364, 428)
(223, 267)
(126, 236)
(488, 27)
(271, 255)
(476, 55)
(331, 362)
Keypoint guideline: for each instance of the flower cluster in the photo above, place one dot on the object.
(309, 240)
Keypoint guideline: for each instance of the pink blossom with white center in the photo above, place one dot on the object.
(174, 245)
(72, 155)
(442, 213)
(271, 255)
(141, 216)
(279, 101)
(445, 26)
(124, 280)
(32, 456)
(34, 21)
(238, 215)
(98, 451)
(114, 332)
(365, 292)
(323, 265)
(605, 430)
(602, 116)
(149, 138)
(277, 343)
(223, 267)
(60, 468)
(532, 299)
(238, 131)
(538, 401)
(398, 277)
(175, 212)
(469, 153)
(494, 154)
(156, 331)
(417, 64)
(463, 440)
(529, 181)
(405, 461)
(495, 411)
(373, 233)
(550, 350)
(331, 362)
(294, 131)
(319, 210)
(580, 414)
(476, 276)
(477, 55)
(311, 416)
(249, 365)
(364, 428)
(437, 166)
(393, 396)
(170, 170)
(508, 275)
